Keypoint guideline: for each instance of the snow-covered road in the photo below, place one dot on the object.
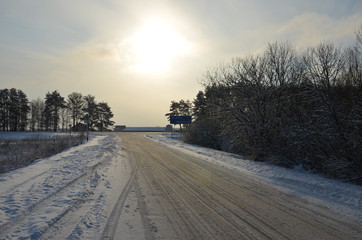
(340, 197)
(182, 196)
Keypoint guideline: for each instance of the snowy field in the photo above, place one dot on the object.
(338, 196)
(75, 187)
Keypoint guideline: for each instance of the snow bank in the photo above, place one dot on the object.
(34, 198)
(338, 196)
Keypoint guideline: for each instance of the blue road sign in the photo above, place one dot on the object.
(180, 119)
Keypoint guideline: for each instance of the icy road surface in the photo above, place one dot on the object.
(127, 186)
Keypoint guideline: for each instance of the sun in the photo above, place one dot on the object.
(155, 45)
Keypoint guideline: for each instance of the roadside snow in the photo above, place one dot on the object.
(340, 197)
(72, 191)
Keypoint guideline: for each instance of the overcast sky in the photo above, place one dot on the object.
(139, 55)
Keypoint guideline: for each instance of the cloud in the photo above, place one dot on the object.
(304, 30)
(93, 52)
(309, 29)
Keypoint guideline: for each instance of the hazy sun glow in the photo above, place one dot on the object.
(155, 45)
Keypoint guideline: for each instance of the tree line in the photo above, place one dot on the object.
(287, 107)
(52, 113)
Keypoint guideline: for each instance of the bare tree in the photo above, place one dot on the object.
(281, 67)
(325, 64)
(359, 39)
(286, 108)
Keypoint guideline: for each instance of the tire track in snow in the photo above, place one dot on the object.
(188, 198)
(111, 226)
(18, 221)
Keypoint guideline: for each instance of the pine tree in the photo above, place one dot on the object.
(104, 115)
(199, 109)
(75, 104)
(14, 109)
(90, 109)
(24, 110)
(4, 108)
(37, 107)
(53, 103)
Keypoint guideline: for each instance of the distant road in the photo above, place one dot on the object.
(173, 195)
(144, 129)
